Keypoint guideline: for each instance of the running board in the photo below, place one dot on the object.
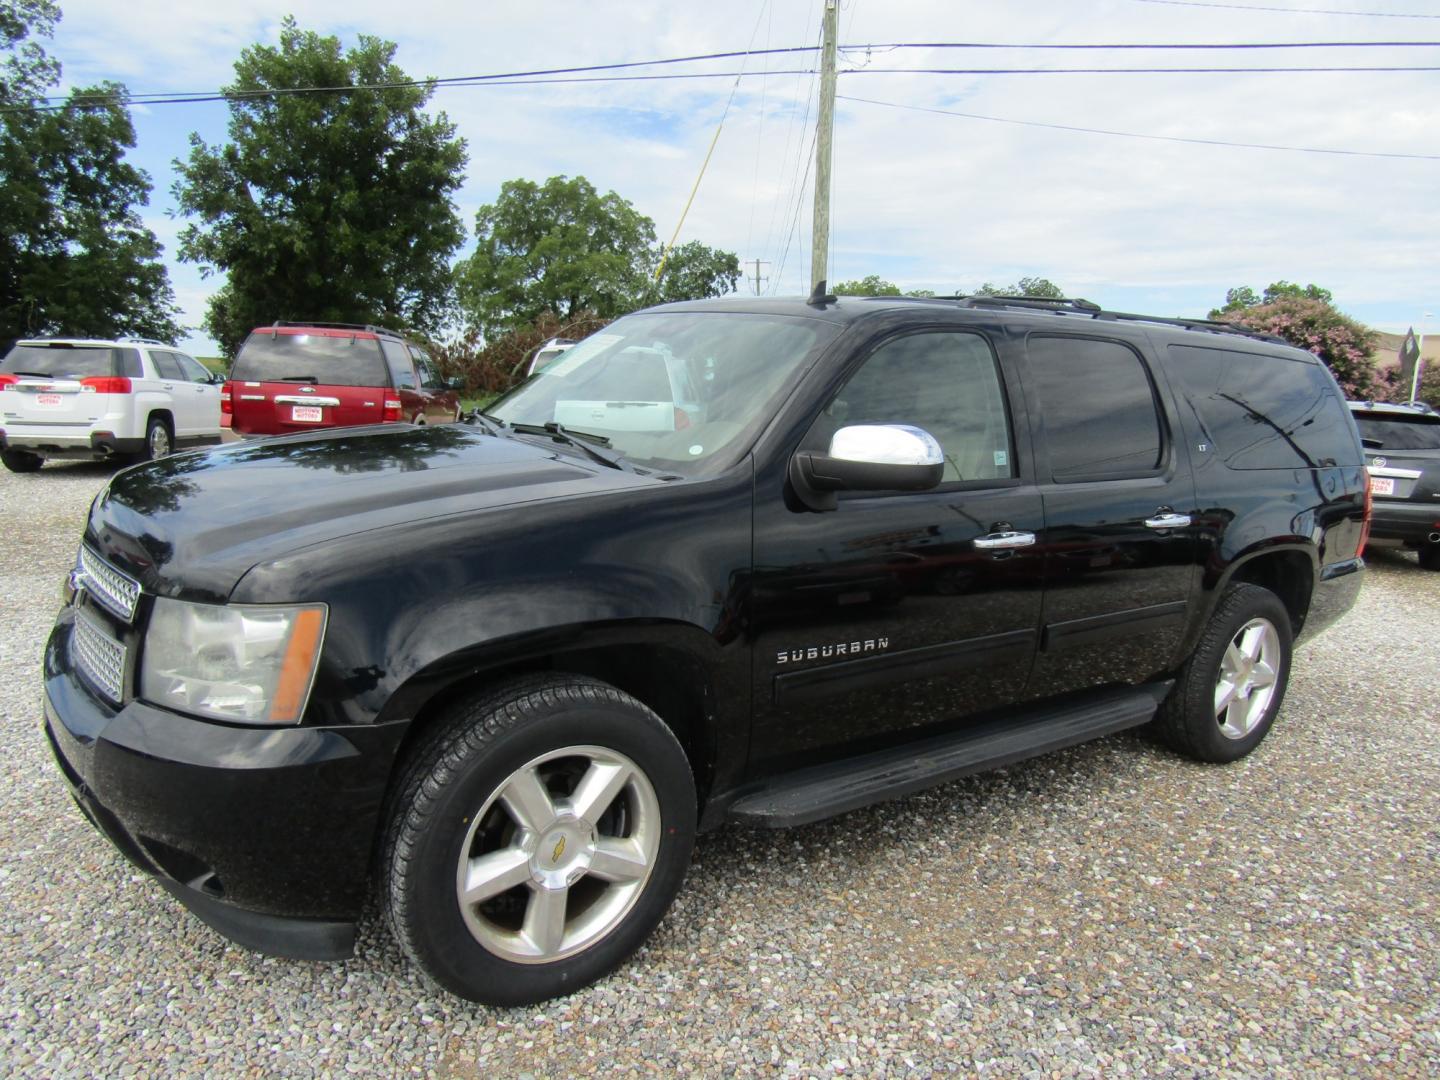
(822, 791)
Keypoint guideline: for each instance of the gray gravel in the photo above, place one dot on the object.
(1111, 910)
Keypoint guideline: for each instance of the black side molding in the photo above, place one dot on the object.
(1116, 624)
(822, 791)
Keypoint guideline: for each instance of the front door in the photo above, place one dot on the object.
(899, 610)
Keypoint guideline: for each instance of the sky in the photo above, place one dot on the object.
(921, 196)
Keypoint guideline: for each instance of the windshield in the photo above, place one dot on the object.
(1401, 433)
(61, 361)
(345, 360)
(679, 391)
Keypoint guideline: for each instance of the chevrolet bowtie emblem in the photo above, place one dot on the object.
(559, 850)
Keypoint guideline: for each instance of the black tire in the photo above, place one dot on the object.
(1430, 556)
(1190, 719)
(159, 440)
(449, 807)
(21, 460)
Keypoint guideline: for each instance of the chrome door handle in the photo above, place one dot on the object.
(1168, 521)
(998, 541)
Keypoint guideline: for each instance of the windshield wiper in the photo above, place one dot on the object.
(581, 440)
(38, 374)
(492, 423)
(311, 379)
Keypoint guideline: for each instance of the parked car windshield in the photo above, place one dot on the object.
(60, 361)
(683, 392)
(346, 360)
(1417, 432)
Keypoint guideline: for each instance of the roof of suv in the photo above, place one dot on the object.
(1037, 310)
(329, 329)
(1384, 408)
(106, 342)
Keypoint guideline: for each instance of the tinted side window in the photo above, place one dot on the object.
(402, 371)
(193, 369)
(1098, 404)
(167, 365)
(946, 383)
(1265, 412)
(128, 362)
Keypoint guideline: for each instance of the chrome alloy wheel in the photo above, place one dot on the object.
(559, 854)
(159, 444)
(1248, 673)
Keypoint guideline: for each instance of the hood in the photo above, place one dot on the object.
(193, 524)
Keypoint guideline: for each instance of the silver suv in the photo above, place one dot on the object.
(92, 400)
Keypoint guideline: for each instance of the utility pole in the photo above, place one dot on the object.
(820, 237)
(757, 263)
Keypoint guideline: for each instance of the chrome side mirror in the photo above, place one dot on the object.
(868, 457)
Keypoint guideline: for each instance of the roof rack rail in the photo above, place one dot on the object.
(1095, 311)
(143, 341)
(365, 327)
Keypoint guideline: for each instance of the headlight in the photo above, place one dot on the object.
(240, 662)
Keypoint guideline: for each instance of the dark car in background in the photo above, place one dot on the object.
(300, 376)
(1402, 451)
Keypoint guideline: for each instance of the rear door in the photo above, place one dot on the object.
(289, 379)
(441, 403)
(205, 394)
(1120, 513)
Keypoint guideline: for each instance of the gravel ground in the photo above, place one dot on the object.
(1110, 910)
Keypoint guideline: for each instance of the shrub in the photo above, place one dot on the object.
(492, 367)
(1346, 346)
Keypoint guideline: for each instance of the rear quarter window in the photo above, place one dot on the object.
(349, 360)
(1264, 411)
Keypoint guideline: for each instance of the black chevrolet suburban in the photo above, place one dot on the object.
(752, 561)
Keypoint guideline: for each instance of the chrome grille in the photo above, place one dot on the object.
(99, 657)
(113, 589)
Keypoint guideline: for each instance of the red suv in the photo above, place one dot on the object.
(299, 376)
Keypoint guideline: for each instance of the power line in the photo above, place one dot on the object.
(557, 76)
(1288, 10)
(1139, 135)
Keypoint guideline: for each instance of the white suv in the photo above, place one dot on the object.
(92, 400)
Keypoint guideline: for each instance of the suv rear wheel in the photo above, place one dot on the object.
(1231, 688)
(1430, 555)
(158, 442)
(537, 840)
(21, 461)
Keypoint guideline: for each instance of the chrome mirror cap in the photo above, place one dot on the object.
(886, 444)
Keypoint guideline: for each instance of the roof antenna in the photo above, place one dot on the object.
(819, 298)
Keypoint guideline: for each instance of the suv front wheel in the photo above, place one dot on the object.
(538, 839)
(1231, 688)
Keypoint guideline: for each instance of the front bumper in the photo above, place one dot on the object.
(90, 446)
(265, 834)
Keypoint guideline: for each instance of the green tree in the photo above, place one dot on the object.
(1308, 322)
(694, 271)
(875, 285)
(869, 285)
(75, 257)
(1040, 287)
(333, 206)
(1242, 296)
(564, 249)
